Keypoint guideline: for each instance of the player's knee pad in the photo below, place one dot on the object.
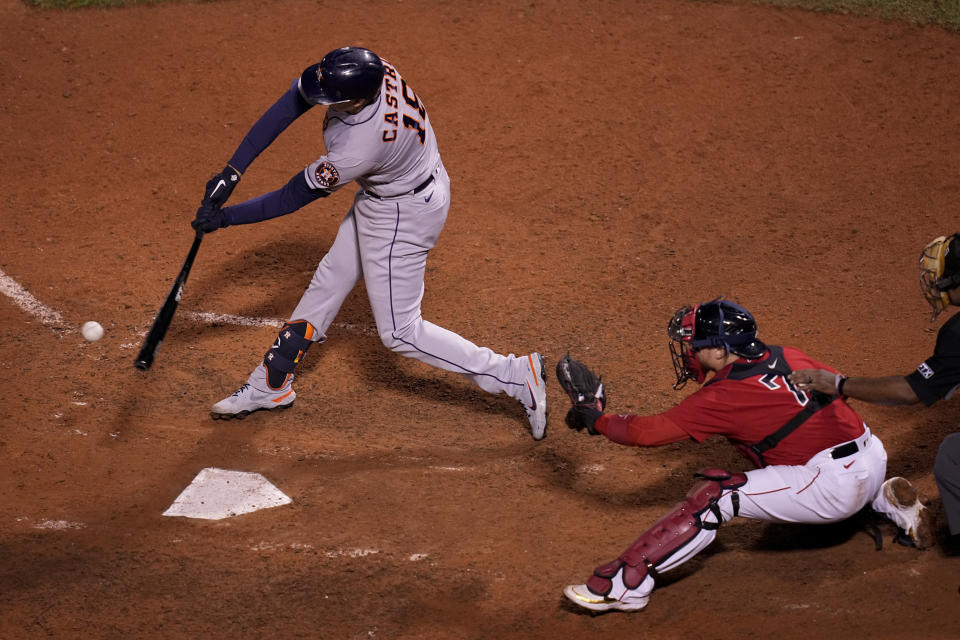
(283, 357)
(699, 512)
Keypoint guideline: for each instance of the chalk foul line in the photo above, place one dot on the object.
(52, 318)
(23, 299)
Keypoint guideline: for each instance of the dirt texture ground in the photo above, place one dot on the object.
(610, 161)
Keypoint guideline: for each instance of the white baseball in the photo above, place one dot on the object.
(92, 331)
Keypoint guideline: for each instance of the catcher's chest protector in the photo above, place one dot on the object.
(760, 369)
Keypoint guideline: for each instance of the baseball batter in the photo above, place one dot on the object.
(934, 379)
(817, 460)
(378, 134)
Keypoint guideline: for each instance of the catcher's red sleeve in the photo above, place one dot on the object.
(640, 431)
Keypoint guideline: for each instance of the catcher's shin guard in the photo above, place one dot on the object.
(292, 343)
(673, 538)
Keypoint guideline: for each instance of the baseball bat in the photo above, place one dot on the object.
(162, 321)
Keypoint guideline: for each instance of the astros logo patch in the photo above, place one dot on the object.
(326, 175)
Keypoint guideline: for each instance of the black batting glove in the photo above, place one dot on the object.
(209, 219)
(220, 186)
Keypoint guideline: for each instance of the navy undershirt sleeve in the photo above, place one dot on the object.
(294, 195)
(271, 124)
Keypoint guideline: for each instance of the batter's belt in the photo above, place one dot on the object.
(417, 189)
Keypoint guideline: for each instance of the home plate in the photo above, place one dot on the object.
(217, 493)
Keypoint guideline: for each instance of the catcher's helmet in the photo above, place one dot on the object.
(718, 323)
(940, 271)
(348, 73)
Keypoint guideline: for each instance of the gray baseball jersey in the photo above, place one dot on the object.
(388, 148)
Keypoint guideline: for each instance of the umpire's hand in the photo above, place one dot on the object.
(819, 380)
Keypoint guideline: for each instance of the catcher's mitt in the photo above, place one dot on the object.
(586, 392)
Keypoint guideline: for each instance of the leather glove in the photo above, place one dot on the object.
(586, 393)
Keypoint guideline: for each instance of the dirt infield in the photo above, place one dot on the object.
(610, 162)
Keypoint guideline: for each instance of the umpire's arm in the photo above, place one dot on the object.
(891, 390)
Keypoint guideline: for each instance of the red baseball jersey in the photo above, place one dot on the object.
(748, 409)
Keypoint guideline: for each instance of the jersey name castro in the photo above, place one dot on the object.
(391, 118)
(388, 147)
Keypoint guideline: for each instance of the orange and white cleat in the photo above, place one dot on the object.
(534, 398)
(248, 399)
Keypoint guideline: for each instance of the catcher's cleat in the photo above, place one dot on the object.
(580, 595)
(535, 396)
(912, 518)
(247, 399)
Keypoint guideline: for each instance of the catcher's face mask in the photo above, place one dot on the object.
(685, 362)
(933, 283)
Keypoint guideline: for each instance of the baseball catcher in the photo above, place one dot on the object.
(795, 439)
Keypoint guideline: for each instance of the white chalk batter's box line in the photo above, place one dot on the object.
(51, 318)
(226, 318)
(262, 546)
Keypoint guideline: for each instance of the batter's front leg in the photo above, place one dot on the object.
(335, 277)
(270, 384)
